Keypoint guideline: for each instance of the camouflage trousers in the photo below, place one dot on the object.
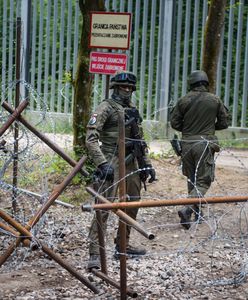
(199, 167)
(133, 187)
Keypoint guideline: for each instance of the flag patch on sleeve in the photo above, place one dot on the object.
(92, 120)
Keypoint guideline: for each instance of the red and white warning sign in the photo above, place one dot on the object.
(107, 63)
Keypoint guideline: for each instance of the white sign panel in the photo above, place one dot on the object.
(110, 30)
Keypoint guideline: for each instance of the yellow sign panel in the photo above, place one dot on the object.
(110, 30)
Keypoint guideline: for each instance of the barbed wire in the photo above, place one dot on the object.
(60, 226)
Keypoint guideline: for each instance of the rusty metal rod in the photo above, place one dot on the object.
(101, 242)
(16, 234)
(46, 140)
(43, 209)
(13, 116)
(9, 251)
(126, 218)
(115, 284)
(122, 197)
(69, 268)
(48, 251)
(169, 202)
(56, 192)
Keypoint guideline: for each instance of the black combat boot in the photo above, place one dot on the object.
(185, 216)
(94, 262)
(130, 251)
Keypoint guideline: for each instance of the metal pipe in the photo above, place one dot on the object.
(48, 251)
(69, 268)
(56, 192)
(169, 202)
(122, 197)
(46, 140)
(9, 251)
(115, 284)
(40, 196)
(119, 213)
(43, 209)
(5, 227)
(17, 102)
(101, 242)
(13, 116)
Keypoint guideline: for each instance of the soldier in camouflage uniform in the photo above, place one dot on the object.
(103, 127)
(197, 115)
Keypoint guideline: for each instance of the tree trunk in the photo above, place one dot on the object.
(83, 79)
(212, 40)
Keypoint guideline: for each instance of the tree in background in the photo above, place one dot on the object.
(83, 79)
(212, 40)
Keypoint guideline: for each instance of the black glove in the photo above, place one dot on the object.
(105, 172)
(148, 171)
(151, 172)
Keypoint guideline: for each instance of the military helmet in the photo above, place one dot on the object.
(123, 78)
(198, 76)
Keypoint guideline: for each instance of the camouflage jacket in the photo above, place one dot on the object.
(199, 113)
(103, 127)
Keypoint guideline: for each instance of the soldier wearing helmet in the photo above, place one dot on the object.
(103, 128)
(197, 115)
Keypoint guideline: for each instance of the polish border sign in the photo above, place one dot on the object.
(110, 30)
(107, 63)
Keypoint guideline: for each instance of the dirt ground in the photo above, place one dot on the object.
(209, 261)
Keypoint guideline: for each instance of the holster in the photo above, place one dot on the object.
(176, 145)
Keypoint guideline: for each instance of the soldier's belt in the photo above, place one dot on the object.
(199, 137)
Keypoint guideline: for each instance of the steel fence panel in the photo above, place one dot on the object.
(237, 66)
(162, 57)
(67, 100)
(186, 47)
(176, 78)
(4, 53)
(244, 121)
(159, 61)
(204, 20)
(61, 56)
(195, 35)
(229, 54)
(149, 115)
(40, 52)
(143, 59)
(11, 71)
(47, 51)
(54, 56)
(166, 59)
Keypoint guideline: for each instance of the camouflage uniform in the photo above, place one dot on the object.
(103, 127)
(197, 115)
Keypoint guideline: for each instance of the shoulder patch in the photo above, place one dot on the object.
(92, 120)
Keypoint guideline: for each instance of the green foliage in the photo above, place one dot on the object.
(234, 143)
(68, 78)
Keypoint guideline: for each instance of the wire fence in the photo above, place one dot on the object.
(166, 45)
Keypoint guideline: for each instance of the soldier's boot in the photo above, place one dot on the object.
(94, 262)
(130, 251)
(185, 216)
(198, 214)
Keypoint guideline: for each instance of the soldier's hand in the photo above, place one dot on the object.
(106, 172)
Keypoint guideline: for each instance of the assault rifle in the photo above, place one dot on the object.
(137, 146)
(176, 145)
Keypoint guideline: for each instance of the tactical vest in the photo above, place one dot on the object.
(110, 132)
